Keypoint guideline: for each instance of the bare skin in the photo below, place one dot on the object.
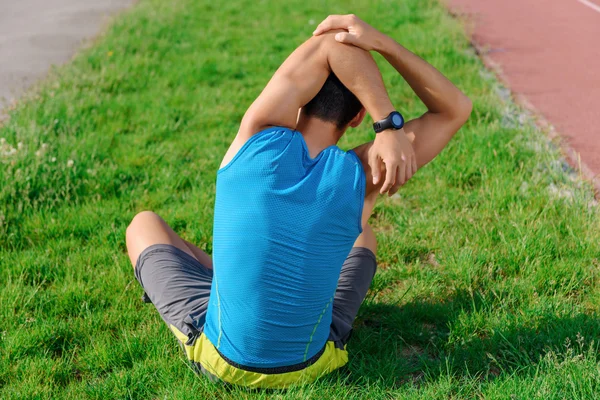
(147, 228)
(395, 155)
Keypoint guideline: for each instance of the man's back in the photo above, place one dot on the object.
(284, 224)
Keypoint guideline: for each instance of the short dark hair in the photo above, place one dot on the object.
(334, 103)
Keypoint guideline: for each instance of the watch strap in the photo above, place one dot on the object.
(386, 123)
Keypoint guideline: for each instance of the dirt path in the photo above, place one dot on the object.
(35, 34)
(548, 52)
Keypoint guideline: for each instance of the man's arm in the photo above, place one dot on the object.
(447, 107)
(303, 74)
(301, 77)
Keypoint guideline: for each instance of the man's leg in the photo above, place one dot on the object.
(147, 229)
(367, 239)
(355, 278)
(171, 274)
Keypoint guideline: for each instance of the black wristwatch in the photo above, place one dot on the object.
(393, 121)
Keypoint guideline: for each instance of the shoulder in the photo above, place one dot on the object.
(268, 134)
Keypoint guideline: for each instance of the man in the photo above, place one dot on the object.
(294, 254)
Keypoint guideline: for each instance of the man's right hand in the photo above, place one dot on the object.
(394, 150)
(359, 33)
(447, 107)
(391, 148)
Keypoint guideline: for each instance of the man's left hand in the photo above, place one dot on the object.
(395, 151)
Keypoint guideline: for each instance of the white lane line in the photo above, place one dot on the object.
(590, 5)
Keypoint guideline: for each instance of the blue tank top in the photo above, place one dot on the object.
(283, 225)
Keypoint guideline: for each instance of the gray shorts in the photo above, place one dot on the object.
(179, 287)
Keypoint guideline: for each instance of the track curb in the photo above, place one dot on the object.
(571, 155)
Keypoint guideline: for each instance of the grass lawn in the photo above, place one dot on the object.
(488, 285)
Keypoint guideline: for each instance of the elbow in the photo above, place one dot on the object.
(464, 107)
(468, 107)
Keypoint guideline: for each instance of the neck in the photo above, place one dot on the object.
(317, 134)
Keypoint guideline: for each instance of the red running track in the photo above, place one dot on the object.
(549, 53)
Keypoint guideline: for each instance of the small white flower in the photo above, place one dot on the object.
(38, 153)
(70, 163)
(2, 140)
(20, 145)
(44, 145)
(53, 159)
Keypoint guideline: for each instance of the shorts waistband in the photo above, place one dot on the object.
(275, 370)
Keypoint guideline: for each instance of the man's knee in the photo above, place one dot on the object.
(140, 220)
(141, 224)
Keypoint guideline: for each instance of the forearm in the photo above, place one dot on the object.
(448, 108)
(304, 72)
(294, 84)
(357, 70)
(439, 95)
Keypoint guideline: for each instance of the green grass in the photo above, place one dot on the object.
(489, 257)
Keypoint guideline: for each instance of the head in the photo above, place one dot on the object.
(335, 104)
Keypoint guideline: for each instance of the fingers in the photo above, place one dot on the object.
(333, 22)
(345, 37)
(402, 178)
(404, 172)
(414, 166)
(375, 167)
(390, 177)
(397, 185)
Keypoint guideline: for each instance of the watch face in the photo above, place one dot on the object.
(397, 120)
